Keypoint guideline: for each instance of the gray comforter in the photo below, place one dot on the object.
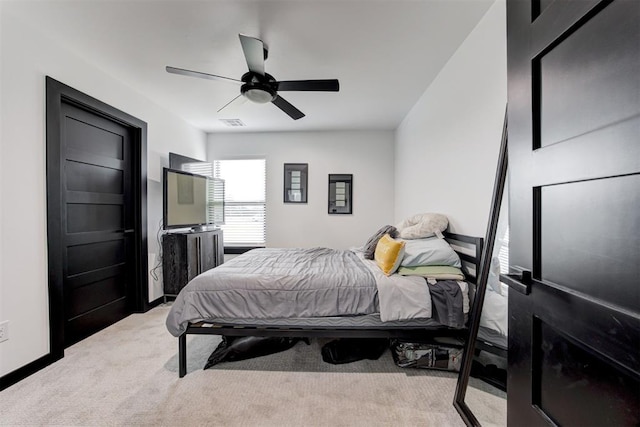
(278, 283)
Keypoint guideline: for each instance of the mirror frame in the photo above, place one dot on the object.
(474, 323)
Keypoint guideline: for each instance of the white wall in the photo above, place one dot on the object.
(2, 297)
(447, 146)
(366, 155)
(27, 56)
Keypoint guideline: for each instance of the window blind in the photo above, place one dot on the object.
(244, 201)
(201, 168)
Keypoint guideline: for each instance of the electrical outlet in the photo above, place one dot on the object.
(4, 331)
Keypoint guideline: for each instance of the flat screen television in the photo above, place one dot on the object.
(191, 200)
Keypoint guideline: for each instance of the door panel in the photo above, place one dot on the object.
(92, 134)
(84, 217)
(573, 378)
(574, 158)
(98, 222)
(93, 256)
(80, 327)
(588, 83)
(95, 294)
(94, 179)
(591, 253)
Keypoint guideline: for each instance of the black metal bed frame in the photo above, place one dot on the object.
(415, 333)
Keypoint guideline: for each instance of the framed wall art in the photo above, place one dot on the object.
(295, 182)
(340, 193)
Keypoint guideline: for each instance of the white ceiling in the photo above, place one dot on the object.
(384, 53)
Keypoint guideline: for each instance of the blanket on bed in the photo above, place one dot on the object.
(278, 283)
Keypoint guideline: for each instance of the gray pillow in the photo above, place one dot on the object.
(370, 246)
(430, 251)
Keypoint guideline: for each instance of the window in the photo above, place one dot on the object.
(244, 201)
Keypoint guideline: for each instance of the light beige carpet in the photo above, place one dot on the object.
(127, 375)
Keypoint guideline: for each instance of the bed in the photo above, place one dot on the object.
(237, 298)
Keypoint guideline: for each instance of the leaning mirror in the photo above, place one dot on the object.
(481, 390)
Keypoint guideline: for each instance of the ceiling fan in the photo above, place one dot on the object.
(259, 86)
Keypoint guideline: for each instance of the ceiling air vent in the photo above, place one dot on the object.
(233, 122)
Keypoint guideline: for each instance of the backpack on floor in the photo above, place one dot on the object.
(445, 356)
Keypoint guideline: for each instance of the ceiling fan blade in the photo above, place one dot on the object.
(253, 49)
(284, 105)
(183, 72)
(235, 102)
(330, 85)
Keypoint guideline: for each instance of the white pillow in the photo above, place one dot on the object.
(422, 225)
(431, 251)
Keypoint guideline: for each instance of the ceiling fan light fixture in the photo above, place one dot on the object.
(261, 87)
(260, 94)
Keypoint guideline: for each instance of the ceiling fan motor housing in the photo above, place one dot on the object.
(258, 88)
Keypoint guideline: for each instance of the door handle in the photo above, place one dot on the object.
(126, 231)
(518, 282)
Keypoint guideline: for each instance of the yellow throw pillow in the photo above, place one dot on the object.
(389, 253)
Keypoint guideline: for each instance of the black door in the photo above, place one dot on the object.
(97, 222)
(574, 159)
